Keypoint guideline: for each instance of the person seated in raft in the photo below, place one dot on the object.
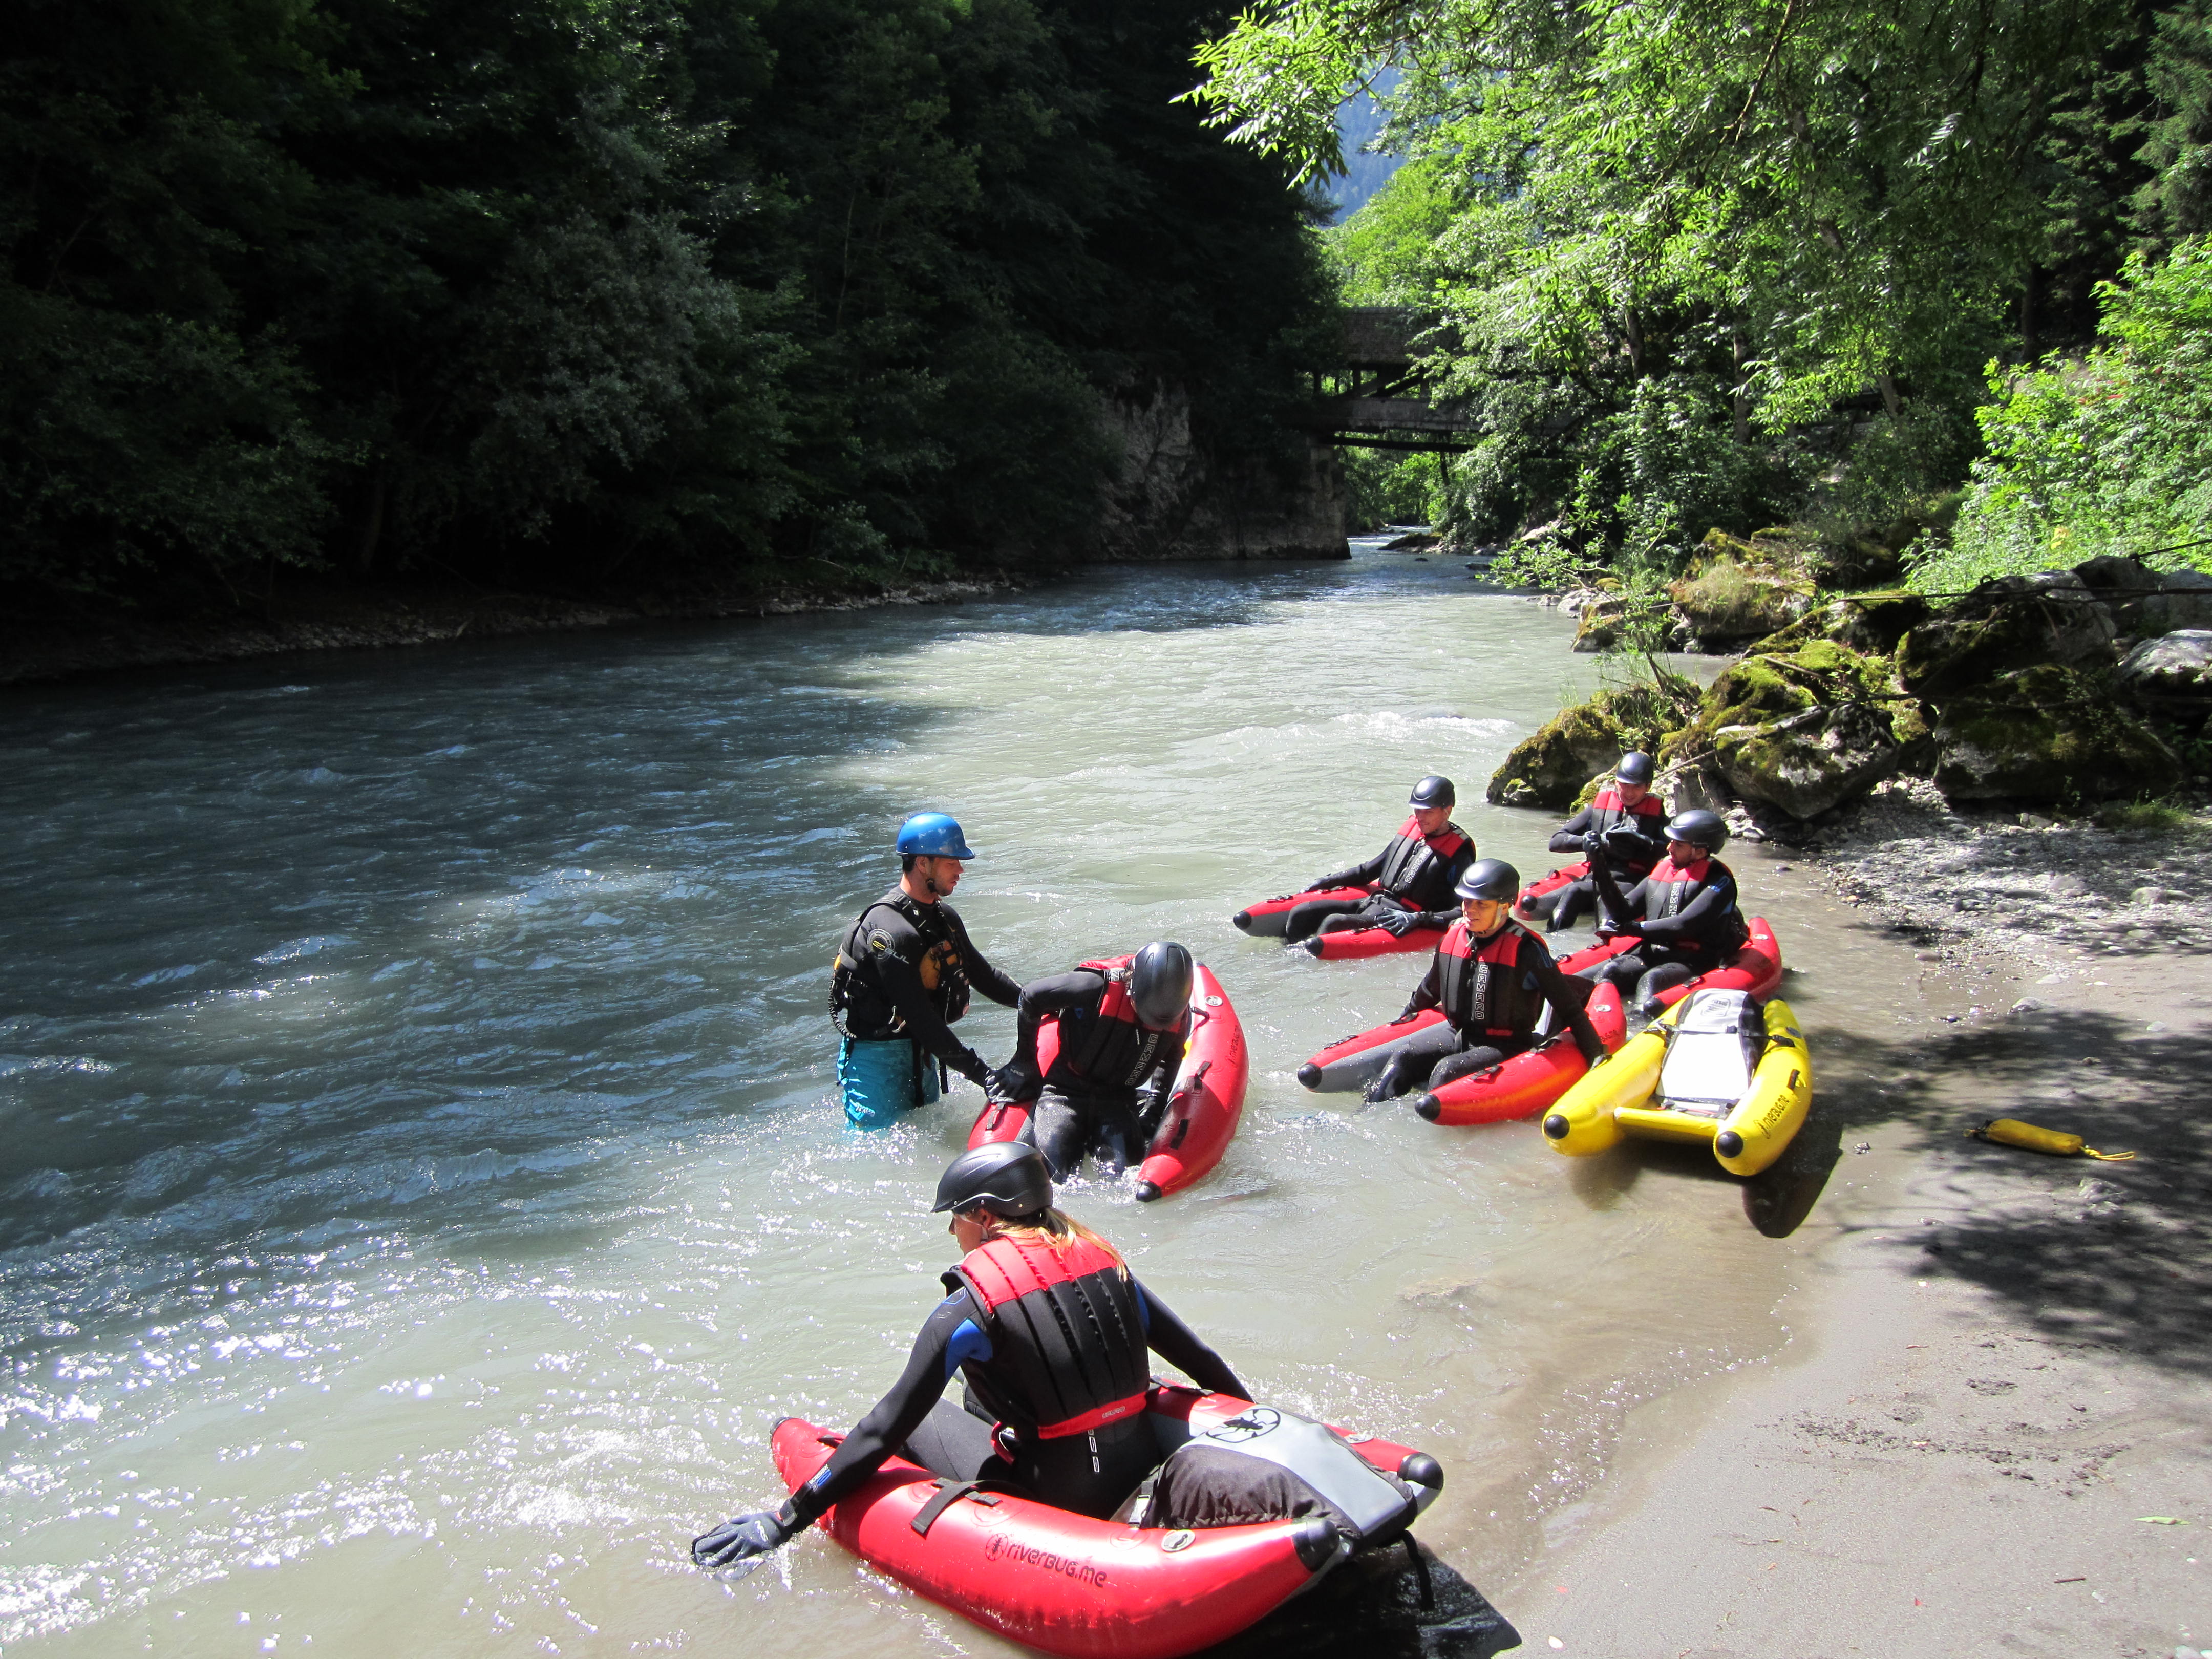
(1493, 978)
(1627, 818)
(1412, 876)
(1051, 1331)
(1684, 915)
(1124, 1023)
(903, 976)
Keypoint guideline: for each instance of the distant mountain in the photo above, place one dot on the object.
(1358, 119)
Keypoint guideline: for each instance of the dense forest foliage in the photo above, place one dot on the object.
(593, 291)
(1765, 260)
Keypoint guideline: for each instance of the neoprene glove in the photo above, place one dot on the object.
(1593, 846)
(1398, 923)
(742, 1539)
(1003, 1085)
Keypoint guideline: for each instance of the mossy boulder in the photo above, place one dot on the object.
(1811, 760)
(2007, 623)
(1737, 591)
(1870, 623)
(1551, 768)
(2047, 732)
(1598, 624)
(1804, 730)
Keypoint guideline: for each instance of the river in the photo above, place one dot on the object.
(423, 1185)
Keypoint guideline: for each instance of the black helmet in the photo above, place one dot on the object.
(1434, 791)
(1159, 983)
(1635, 768)
(1701, 829)
(1005, 1178)
(1489, 879)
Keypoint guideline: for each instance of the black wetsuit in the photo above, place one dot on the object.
(1489, 1016)
(1090, 1474)
(1635, 839)
(1414, 873)
(1107, 1090)
(1688, 921)
(904, 971)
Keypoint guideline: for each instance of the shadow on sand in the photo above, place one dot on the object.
(2116, 1255)
(1372, 1607)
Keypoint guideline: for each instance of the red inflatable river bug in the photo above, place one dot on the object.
(1203, 1111)
(1063, 1583)
(1756, 967)
(1521, 1087)
(1269, 917)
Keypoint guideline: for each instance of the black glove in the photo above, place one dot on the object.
(743, 1538)
(1633, 926)
(1322, 885)
(1625, 842)
(1398, 923)
(1594, 847)
(1005, 1085)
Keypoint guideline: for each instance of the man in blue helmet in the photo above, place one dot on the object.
(903, 975)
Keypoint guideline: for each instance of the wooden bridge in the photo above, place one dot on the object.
(1374, 395)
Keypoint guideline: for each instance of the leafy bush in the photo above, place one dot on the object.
(2110, 452)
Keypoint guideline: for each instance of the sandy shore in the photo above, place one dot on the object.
(2000, 1364)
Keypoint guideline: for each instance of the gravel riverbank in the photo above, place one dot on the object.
(1976, 887)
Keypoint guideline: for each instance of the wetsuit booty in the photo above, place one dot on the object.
(1390, 1082)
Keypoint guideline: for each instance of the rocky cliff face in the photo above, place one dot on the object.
(1174, 500)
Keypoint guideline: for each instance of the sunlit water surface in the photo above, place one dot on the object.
(420, 1183)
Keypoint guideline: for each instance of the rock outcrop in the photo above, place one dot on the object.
(2046, 733)
(2007, 624)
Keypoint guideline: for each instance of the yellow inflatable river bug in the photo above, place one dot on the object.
(1717, 1068)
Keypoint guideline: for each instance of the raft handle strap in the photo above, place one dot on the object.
(1421, 1573)
(949, 1492)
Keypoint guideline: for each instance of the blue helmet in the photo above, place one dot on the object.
(932, 834)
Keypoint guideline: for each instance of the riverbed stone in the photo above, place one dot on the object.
(2174, 669)
(2006, 623)
(2044, 733)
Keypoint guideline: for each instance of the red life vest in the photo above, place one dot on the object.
(1417, 868)
(1611, 811)
(1111, 1048)
(1670, 887)
(1485, 990)
(1068, 1353)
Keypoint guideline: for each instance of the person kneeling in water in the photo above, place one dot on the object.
(1493, 978)
(1684, 915)
(1413, 876)
(1627, 816)
(1124, 1023)
(1051, 1331)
